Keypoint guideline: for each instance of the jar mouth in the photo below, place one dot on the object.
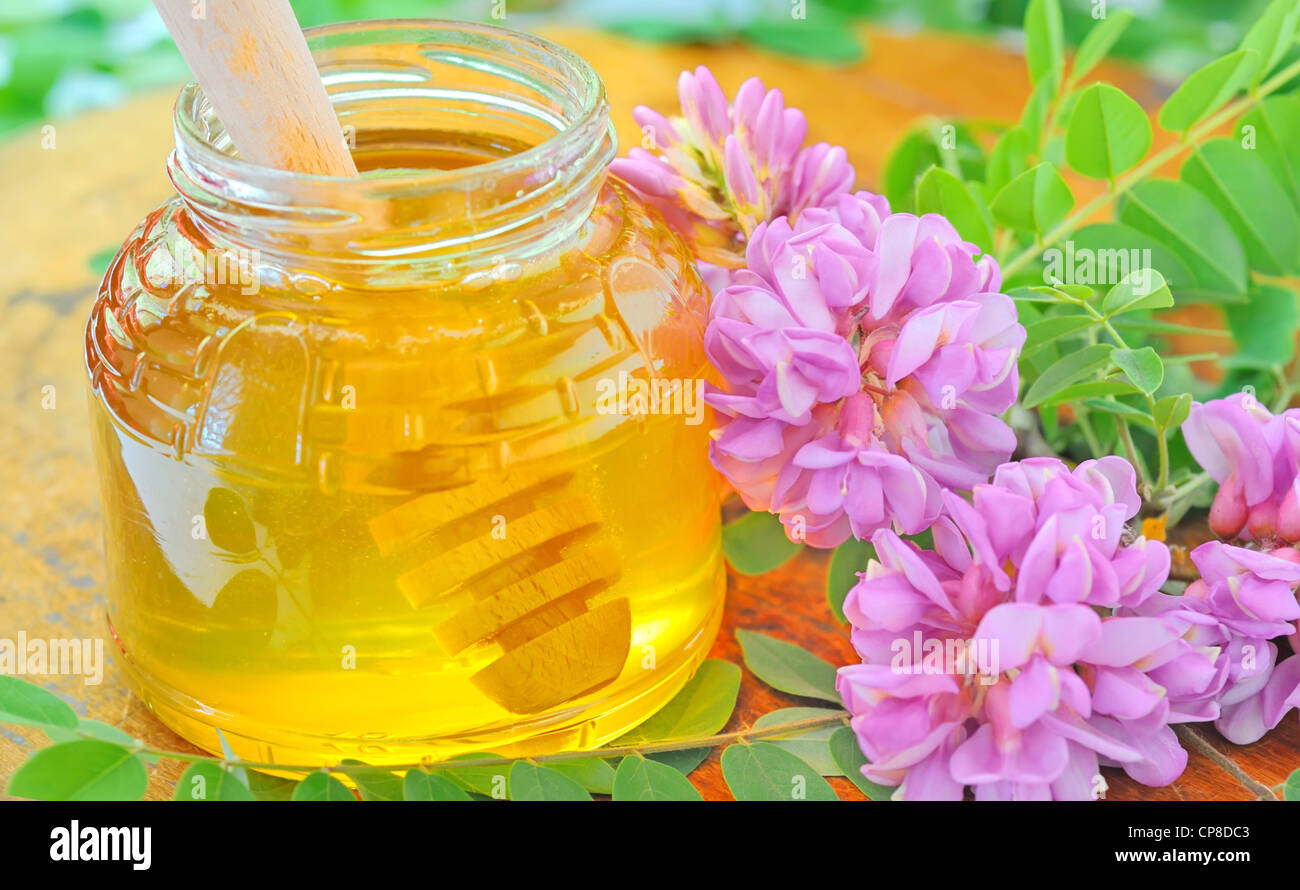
(523, 122)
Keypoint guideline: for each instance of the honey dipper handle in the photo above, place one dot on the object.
(252, 61)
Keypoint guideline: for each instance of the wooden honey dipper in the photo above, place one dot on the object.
(531, 596)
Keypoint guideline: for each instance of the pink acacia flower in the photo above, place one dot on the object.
(1254, 455)
(866, 358)
(1029, 572)
(1242, 601)
(724, 168)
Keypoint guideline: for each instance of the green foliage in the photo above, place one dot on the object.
(788, 667)
(530, 781)
(702, 708)
(87, 769)
(1108, 133)
(848, 559)
(848, 757)
(762, 771)
(638, 778)
(756, 543)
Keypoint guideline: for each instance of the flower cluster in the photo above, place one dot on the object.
(725, 168)
(1242, 601)
(866, 356)
(1090, 664)
(1254, 455)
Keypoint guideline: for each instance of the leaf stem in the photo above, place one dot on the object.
(796, 727)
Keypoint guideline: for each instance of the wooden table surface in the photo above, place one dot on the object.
(73, 201)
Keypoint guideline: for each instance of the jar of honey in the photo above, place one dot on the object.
(414, 464)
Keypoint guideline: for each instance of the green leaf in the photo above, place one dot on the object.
(702, 708)
(1034, 118)
(684, 761)
(1142, 289)
(489, 781)
(1239, 184)
(1101, 37)
(762, 771)
(640, 779)
(829, 38)
(1272, 129)
(756, 543)
(1171, 411)
(1185, 221)
(1291, 790)
(1044, 41)
(848, 559)
(227, 521)
(1264, 328)
(1008, 158)
(529, 781)
(1070, 368)
(26, 704)
(1107, 253)
(1272, 35)
(1044, 333)
(1143, 367)
(375, 783)
(1207, 90)
(847, 754)
(205, 780)
(420, 785)
(811, 746)
(593, 773)
(322, 786)
(1078, 391)
(941, 192)
(1035, 201)
(267, 787)
(1119, 409)
(1108, 133)
(787, 667)
(83, 770)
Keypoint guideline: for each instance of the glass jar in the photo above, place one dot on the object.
(414, 464)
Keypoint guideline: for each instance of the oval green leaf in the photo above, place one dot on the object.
(1142, 289)
(419, 785)
(811, 746)
(205, 780)
(82, 770)
(1101, 37)
(1108, 133)
(322, 786)
(640, 779)
(227, 521)
(788, 667)
(1035, 201)
(848, 559)
(1185, 221)
(1272, 35)
(848, 756)
(702, 708)
(941, 192)
(26, 704)
(1044, 41)
(762, 771)
(529, 781)
(593, 773)
(1070, 368)
(756, 543)
(1239, 184)
(1207, 90)
(1143, 367)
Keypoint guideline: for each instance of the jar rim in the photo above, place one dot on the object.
(192, 102)
(418, 78)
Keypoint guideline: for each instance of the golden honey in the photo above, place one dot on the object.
(362, 496)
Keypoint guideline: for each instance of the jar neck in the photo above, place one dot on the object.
(484, 147)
